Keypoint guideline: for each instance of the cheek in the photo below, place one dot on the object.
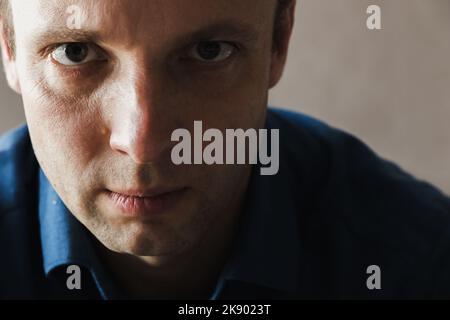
(236, 101)
(64, 139)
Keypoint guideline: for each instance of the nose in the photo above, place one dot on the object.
(140, 127)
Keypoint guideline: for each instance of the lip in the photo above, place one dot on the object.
(143, 203)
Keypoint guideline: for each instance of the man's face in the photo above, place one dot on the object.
(101, 110)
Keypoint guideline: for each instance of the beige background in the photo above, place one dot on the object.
(390, 87)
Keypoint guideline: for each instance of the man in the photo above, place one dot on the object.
(93, 205)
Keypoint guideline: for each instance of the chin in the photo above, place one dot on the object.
(142, 241)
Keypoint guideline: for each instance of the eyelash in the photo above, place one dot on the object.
(236, 48)
(74, 71)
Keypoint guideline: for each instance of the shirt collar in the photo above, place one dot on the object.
(65, 241)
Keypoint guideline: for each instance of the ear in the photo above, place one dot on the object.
(280, 50)
(9, 62)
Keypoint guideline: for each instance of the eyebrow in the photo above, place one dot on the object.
(52, 36)
(227, 28)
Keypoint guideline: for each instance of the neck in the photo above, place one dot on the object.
(191, 275)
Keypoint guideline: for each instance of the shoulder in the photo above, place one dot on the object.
(20, 269)
(349, 160)
(17, 164)
(368, 208)
(351, 163)
(355, 176)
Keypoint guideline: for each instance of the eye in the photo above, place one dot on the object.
(212, 51)
(73, 54)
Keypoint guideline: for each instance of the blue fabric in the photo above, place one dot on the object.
(311, 231)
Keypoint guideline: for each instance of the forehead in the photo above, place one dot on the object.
(128, 18)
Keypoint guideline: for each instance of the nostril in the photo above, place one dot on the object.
(121, 152)
(118, 147)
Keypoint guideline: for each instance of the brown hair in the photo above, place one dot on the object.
(6, 16)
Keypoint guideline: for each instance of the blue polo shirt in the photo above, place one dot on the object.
(315, 230)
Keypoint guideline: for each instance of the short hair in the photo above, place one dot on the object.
(280, 15)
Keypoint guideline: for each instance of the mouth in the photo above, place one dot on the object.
(143, 203)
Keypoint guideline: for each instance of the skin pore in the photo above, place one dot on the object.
(104, 123)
